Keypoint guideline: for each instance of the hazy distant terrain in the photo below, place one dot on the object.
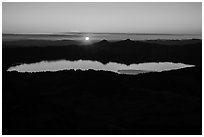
(77, 36)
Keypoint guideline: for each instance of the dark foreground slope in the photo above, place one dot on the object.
(97, 102)
(125, 52)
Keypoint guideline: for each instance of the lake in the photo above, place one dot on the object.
(132, 69)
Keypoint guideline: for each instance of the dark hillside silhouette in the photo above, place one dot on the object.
(98, 102)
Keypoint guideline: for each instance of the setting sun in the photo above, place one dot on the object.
(87, 38)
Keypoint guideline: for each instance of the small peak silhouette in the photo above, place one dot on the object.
(126, 42)
(102, 42)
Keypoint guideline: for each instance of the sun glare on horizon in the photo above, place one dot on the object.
(86, 38)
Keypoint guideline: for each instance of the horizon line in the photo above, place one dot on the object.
(66, 33)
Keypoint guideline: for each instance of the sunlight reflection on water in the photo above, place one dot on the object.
(95, 65)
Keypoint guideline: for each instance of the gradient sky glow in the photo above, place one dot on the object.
(168, 18)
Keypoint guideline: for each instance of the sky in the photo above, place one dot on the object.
(101, 17)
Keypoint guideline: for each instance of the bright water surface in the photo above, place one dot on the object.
(95, 65)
